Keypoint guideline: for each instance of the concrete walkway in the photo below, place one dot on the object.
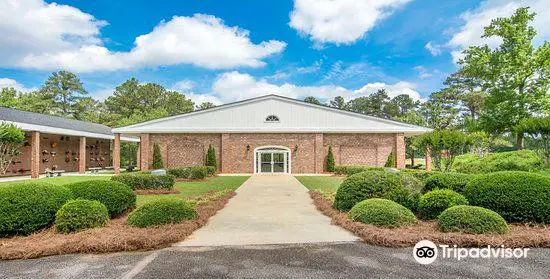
(268, 209)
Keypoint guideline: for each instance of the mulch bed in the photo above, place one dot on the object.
(519, 236)
(157, 191)
(114, 237)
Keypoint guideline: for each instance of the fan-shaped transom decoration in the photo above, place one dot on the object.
(272, 118)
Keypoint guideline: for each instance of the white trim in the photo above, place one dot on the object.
(414, 129)
(66, 132)
(284, 149)
(272, 130)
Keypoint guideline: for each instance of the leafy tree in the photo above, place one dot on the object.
(373, 104)
(440, 111)
(11, 138)
(538, 128)
(66, 89)
(9, 97)
(338, 102)
(132, 102)
(444, 146)
(400, 105)
(157, 157)
(211, 157)
(312, 100)
(330, 164)
(515, 75)
(206, 105)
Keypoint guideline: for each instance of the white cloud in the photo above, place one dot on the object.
(12, 83)
(434, 49)
(340, 22)
(102, 94)
(393, 90)
(475, 20)
(423, 72)
(235, 86)
(70, 39)
(201, 98)
(183, 85)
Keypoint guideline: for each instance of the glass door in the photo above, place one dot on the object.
(265, 162)
(278, 162)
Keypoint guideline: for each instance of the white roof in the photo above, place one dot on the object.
(249, 116)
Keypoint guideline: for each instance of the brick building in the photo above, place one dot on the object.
(272, 134)
(56, 143)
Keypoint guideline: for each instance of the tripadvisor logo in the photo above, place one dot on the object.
(426, 252)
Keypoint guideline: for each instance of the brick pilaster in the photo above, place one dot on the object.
(224, 164)
(82, 155)
(35, 154)
(400, 151)
(319, 154)
(116, 154)
(145, 150)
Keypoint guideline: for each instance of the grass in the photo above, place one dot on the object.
(197, 188)
(60, 180)
(321, 183)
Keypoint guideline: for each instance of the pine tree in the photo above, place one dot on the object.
(330, 160)
(211, 157)
(157, 157)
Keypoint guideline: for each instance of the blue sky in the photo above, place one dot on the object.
(224, 51)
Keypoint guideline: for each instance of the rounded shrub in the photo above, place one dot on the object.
(179, 172)
(27, 207)
(145, 181)
(516, 196)
(434, 202)
(200, 172)
(80, 214)
(381, 213)
(161, 212)
(401, 188)
(448, 180)
(471, 219)
(116, 196)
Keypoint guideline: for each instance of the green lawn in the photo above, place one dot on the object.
(61, 180)
(196, 188)
(323, 183)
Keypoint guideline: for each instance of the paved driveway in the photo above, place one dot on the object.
(268, 209)
(314, 260)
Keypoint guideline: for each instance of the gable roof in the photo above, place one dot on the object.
(248, 116)
(32, 121)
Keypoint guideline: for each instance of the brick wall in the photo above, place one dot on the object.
(360, 149)
(180, 150)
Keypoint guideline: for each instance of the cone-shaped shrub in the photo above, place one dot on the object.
(157, 157)
(330, 160)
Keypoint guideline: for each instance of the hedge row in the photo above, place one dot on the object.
(161, 212)
(515, 195)
(145, 181)
(448, 180)
(399, 187)
(351, 170)
(195, 172)
(522, 160)
(116, 196)
(27, 207)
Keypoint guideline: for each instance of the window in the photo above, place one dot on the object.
(272, 118)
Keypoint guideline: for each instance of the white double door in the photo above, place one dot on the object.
(273, 162)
